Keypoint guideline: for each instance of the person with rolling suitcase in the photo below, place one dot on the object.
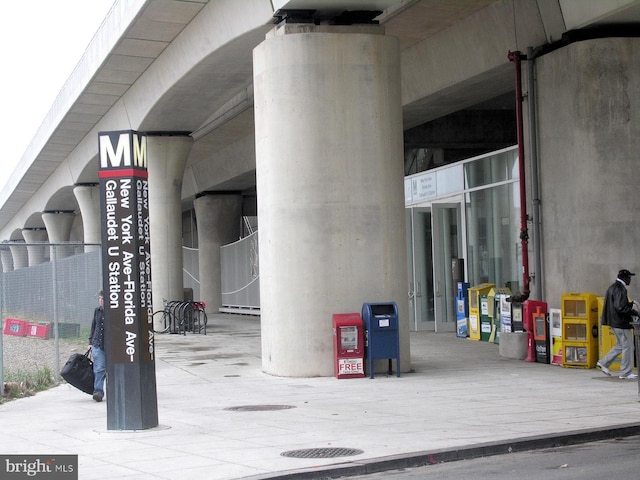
(96, 345)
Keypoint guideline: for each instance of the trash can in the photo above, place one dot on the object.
(382, 337)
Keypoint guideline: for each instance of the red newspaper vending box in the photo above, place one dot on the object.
(541, 335)
(348, 345)
(529, 308)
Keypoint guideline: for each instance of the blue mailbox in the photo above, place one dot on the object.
(382, 338)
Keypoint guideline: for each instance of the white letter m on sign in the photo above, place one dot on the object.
(120, 156)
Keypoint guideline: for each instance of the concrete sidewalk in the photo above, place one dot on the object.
(222, 418)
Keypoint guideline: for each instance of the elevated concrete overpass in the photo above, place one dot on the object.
(186, 70)
(206, 91)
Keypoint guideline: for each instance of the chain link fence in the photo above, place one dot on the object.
(46, 309)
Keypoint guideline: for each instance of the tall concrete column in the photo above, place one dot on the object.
(19, 254)
(588, 116)
(88, 197)
(7, 258)
(218, 217)
(36, 252)
(58, 224)
(167, 157)
(329, 162)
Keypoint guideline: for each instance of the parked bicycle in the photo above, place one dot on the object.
(180, 317)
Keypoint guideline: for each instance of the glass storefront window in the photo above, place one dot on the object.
(466, 214)
(449, 180)
(492, 169)
(493, 247)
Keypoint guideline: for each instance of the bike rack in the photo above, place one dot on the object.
(181, 317)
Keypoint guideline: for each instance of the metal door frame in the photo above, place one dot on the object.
(416, 290)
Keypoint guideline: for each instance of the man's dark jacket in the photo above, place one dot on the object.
(96, 337)
(617, 311)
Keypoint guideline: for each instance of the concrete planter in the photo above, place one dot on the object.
(513, 345)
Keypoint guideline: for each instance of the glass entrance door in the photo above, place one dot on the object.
(448, 262)
(436, 254)
(421, 283)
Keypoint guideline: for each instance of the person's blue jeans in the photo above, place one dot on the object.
(99, 369)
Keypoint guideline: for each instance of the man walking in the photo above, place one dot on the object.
(618, 312)
(96, 344)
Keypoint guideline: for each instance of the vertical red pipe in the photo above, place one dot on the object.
(515, 57)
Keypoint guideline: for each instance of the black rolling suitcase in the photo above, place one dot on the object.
(78, 371)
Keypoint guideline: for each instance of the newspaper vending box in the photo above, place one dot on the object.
(348, 345)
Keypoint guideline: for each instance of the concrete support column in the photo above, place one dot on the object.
(19, 254)
(7, 259)
(88, 197)
(36, 252)
(167, 157)
(329, 162)
(587, 117)
(58, 224)
(218, 217)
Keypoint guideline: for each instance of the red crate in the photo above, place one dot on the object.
(41, 330)
(13, 326)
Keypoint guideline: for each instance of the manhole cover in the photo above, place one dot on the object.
(259, 408)
(322, 452)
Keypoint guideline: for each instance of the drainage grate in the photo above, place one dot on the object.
(259, 408)
(322, 452)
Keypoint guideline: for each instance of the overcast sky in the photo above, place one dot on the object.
(41, 42)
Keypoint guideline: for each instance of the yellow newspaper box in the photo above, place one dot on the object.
(475, 308)
(579, 330)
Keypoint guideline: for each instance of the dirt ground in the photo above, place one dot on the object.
(26, 355)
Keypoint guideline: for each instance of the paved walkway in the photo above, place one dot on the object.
(222, 418)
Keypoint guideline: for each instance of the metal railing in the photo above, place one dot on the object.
(240, 275)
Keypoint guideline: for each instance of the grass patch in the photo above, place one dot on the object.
(20, 384)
